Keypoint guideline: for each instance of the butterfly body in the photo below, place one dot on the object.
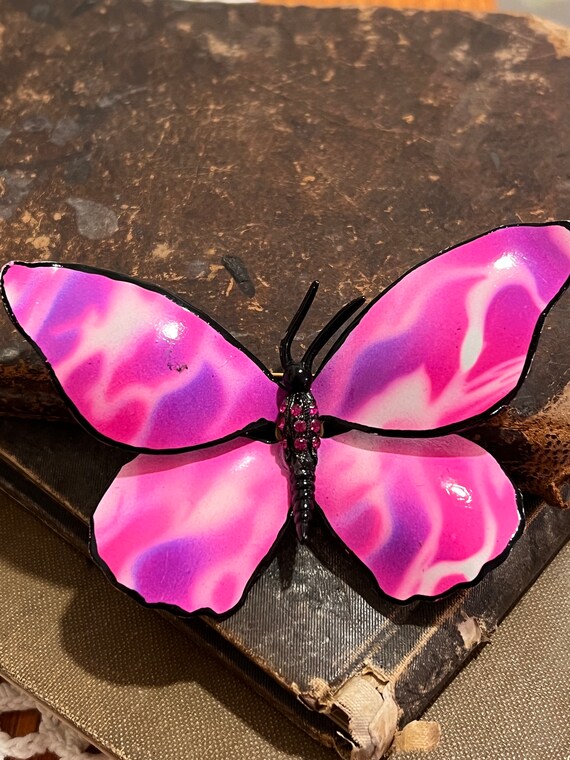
(299, 428)
(190, 520)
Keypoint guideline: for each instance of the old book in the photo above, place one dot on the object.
(312, 636)
(136, 685)
(81, 655)
(225, 153)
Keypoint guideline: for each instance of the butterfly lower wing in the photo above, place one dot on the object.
(139, 367)
(423, 515)
(452, 339)
(189, 531)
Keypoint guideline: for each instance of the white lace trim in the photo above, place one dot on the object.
(51, 736)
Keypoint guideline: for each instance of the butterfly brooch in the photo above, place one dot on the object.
(227, 453)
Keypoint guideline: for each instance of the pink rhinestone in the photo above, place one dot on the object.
(313, 411)
(316, 426)
(300, 444)
(300, 426)
(296, 410)
(281, 423)
(316, 442)
(283, 406)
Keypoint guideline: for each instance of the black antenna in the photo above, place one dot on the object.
(329, 330)
(285, 346)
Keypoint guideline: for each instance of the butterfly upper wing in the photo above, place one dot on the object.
(424, 515)
(140, 367)
(189, 530)
(450, 340)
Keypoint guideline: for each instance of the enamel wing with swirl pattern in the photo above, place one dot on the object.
(226, 452)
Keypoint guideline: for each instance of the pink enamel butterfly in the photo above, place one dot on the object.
(226, 452)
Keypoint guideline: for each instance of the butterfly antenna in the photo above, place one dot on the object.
(329, 330)
(301, 313)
